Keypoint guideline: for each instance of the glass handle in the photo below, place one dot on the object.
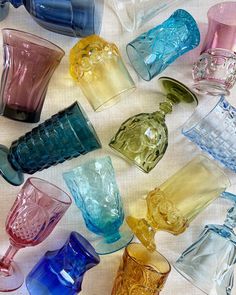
(228, 196)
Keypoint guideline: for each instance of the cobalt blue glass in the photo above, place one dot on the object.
(66, 135)
(95, 191)
(153, 51)
(77, 18)
(214, 132)
(61, 272)
(209, 262)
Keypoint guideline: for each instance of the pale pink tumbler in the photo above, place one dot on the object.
(215, 71)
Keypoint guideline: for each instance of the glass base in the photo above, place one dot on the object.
(12, 281)
(212, 88)
(104, 246)
(7, 171)
(21, 115)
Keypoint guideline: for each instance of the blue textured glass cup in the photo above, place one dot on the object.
(95, 191)
(61, 272)
(153, 51)
(78, 18)
(209, 262)
(214, 132)
(66, 135)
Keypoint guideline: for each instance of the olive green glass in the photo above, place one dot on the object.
(143, 138)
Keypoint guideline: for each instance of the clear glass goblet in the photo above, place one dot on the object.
(38, 208)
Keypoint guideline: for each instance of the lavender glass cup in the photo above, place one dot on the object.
(214, 72)
(29, 63)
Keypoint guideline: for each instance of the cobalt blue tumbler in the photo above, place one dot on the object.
(77, 18)
(61, 272)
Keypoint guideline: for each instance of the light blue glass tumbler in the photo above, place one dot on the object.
(153, 51)
(95, 191)
(214, 132)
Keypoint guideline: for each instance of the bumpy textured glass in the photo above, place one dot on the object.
(135, 13)
(100, 71)
(94, 188)
(153, 51)
(215, 132)
(141, 272)
(209, 262)
(29, 63)
(215, 72)
(65, 135)
(143, 138)
(175, 203)
(37, 209)
(62, 271)
(77, 18)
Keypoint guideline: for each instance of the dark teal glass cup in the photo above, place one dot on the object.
(66, 135)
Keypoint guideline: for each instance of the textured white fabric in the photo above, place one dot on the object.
(132, 182)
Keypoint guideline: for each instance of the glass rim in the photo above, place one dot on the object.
(151, 267)
(52, 46)
(214, 8)
(30, 180)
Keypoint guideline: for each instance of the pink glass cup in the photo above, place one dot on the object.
(39, 206)
(215, 71)
(29, 63)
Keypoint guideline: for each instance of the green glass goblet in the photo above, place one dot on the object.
(143, 138)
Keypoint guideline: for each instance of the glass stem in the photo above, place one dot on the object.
(5, 262)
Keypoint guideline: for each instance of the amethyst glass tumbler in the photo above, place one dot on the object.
(29, 63)
(214, 73)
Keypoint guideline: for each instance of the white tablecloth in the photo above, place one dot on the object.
(132, 182)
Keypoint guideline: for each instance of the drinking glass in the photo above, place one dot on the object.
(141, 272)
(29, 63)
(176, 203)
(39, 206)
(214, 72)
(153, 51)
(143, 138)
(135, 13)
(209, 262)
(98, 68)
(62, 271)
(68, 17)
(66, 135)
(95, 191)
(214, 132)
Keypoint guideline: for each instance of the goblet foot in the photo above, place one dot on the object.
(210, 88)
(11, 175)
(115, 242)
(143, 231)
(11, 279)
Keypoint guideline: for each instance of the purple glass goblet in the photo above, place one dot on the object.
(29, 63)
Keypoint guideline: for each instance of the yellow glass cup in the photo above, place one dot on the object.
(141, 272)
(100, 71)
(175, 203)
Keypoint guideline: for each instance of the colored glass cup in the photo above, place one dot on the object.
(100, 71)
(141, 272)
(153, 51)
(68, 17)
(214, 132)
(214, 72)
(66, 135)
(134, 14)
(143, 138)
(209, 262)
(29, 63)
(95, 191)
(38, 208)
(62, 271)
(175, 203)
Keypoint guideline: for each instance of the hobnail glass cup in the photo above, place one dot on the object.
(95, 191)
(29, 63)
